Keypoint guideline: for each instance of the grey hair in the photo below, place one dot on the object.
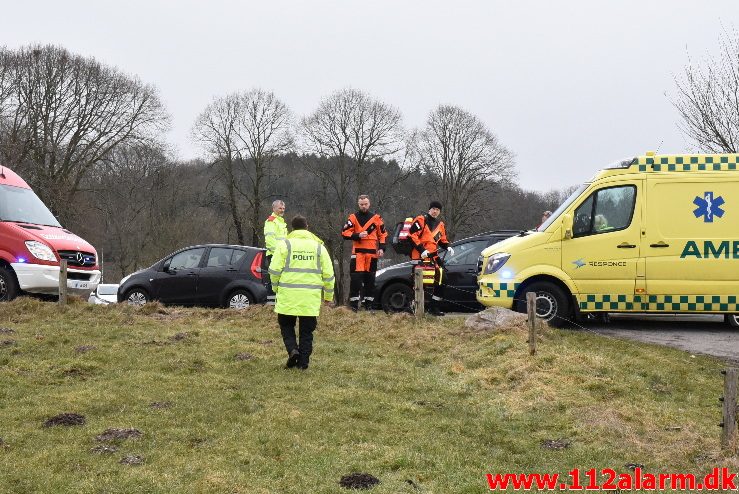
(277, 202)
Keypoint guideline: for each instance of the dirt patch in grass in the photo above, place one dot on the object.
(358, 481)
(160, 405)
(65, 419)
(132, 460)
(181, 336)
(429, 404)
(6, 343)
(155, 343)
(113, 434)
(76, 372)
(103, 449)
(7, 331)
(244, 356)
(266, 342)
(85, 348)
(634, 466)
(556, 444)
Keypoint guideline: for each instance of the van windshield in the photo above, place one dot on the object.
(23, 206)
(562, 207)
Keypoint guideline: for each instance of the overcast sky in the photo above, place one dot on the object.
(568, 86)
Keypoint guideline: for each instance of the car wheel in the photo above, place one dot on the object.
(552, 304)
(137, 296)
(397, 298)
(732, 320)
(239, 299)
(8, 285)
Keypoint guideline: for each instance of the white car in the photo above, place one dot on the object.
(104, 294)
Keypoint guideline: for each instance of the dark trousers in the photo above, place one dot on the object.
(305, 344)
(267, 278)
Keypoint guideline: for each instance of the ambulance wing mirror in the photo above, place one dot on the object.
(566, 226)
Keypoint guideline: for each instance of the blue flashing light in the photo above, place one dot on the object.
(506, 274)
(20, 259)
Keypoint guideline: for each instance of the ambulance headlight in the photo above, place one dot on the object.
(495, 262)
(40, 251)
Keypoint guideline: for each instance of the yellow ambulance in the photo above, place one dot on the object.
(656, 233)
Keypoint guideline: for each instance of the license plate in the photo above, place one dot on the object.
(78, 285)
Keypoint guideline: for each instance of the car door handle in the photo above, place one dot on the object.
(471, 271)
(192, 274)
(626, 245)
(232, 269)
(659, 245)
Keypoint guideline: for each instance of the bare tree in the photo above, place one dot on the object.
(245, 131)
(708, 99)
(351, 129)
(216, 128)
(461, 159)
(264, 132)
(63, 114)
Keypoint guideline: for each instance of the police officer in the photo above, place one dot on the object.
(428, 233)
(367, 232)
(275, 230)
(302, 273)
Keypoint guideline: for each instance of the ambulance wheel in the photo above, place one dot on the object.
(397, 298)
(8, 285)
(552, 304)
(732, 320)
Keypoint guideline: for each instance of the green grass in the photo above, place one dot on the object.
(428, 402)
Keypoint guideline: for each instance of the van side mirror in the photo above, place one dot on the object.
(566, 226)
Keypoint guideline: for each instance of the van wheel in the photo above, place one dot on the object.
(732, 320)
(397, 298)
(8, 285)
(552, 304)
(137, 296)
(239, 299)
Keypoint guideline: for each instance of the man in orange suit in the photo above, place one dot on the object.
(367, 232)
(428, 234)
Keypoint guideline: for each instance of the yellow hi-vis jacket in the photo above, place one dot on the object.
(275, 230)
(301, 270)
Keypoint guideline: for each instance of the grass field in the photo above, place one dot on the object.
(425, 407)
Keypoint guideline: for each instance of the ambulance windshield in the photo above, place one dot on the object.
(562, 207)
(23, 206)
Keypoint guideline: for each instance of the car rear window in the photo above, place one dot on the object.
(223, 256)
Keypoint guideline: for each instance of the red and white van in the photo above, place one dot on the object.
(32, 242)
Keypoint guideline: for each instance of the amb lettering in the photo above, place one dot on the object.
(725, 249)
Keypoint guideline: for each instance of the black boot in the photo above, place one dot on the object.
(293, 360)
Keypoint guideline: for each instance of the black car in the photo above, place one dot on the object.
(212, 275)
(394, 284)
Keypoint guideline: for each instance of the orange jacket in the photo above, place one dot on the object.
(365, 222)
(428, 234)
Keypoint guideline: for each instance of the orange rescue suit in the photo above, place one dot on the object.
(429, 234)
(364, 250)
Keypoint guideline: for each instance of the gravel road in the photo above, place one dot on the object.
(703, 334)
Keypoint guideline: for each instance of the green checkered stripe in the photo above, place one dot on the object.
(657, 303)
(507, 290)
(688, 163)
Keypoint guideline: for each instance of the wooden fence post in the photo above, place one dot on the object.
(531, 311)
(729, 424)
(63, 282)
(418, 289)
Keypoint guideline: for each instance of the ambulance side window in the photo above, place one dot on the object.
(606, 210)
(583, 217)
